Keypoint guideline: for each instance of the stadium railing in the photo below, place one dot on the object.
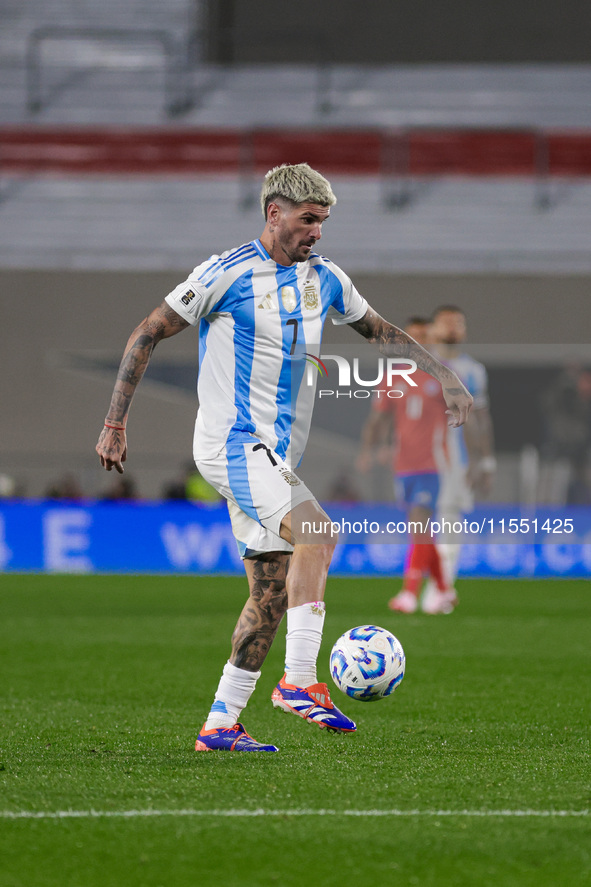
(176, 54)
(402, 158)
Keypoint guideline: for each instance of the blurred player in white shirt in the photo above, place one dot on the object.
(471, 461)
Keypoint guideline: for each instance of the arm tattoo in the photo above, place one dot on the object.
(394, 342)
(136, 360)
(160, 324)
(262, 613)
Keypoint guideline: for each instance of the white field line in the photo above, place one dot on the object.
(133, 814)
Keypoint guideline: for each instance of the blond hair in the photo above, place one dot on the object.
(296, 184)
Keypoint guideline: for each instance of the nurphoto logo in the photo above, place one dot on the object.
(389, 370)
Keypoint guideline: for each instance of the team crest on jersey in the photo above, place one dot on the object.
(311, 297)
(289, 298)
(289, 478)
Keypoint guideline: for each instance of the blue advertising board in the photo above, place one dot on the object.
(187, 538)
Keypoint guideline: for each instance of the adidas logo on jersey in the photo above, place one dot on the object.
(267, 302)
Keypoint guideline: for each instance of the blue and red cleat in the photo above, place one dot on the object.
(312, 703)
(229, 739)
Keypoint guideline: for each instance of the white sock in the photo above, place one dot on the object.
(235, 688)
(449, 553)
(304, 635)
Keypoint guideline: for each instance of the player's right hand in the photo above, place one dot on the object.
(112, 449)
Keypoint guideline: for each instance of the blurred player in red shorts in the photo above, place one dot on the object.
(415, 418)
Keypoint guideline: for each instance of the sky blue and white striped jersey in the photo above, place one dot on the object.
(258, 319)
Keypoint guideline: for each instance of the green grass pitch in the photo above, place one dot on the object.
(475, 772)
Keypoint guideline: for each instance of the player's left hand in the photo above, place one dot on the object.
(459, 401)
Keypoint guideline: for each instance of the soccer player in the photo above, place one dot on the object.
(471, 463)
(260, 308)
(417, 422)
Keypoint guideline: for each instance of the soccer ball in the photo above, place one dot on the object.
(367, 663)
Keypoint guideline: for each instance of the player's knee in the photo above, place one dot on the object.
(308, 524)
(322, 540)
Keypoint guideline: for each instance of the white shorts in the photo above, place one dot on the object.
(260, 490)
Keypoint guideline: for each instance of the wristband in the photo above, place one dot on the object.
(115, 427)
(488, 464)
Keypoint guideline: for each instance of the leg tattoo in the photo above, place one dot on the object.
(262, 613)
